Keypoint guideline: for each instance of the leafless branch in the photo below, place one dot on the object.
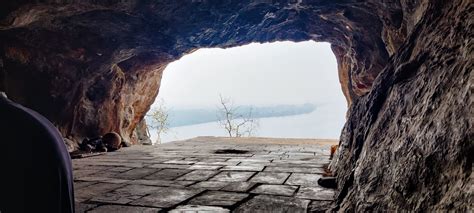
(234, 123)
(160, 119)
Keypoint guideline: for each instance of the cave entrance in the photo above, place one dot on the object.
(290, 90)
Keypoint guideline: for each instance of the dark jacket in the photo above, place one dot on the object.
(36, 170)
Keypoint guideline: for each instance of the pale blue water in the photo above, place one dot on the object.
(325, 122)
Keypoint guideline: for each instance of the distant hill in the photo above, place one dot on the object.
(198, 116)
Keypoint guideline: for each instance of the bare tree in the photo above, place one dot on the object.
(236, 124)
(159, 119)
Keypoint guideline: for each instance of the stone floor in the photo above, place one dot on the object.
(206, 174)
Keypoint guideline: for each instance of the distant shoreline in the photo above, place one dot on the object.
(188, 117)
(264, 140)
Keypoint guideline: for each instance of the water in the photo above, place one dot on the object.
(325, 122)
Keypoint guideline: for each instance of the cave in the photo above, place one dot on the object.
(307, 104)
(405, 68)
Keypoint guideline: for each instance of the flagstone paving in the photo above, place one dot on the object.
(206, 174)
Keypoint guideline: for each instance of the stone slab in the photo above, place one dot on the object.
(84, 172)
(116, 179)
(184, 162)
(168, 166)
(91, 191)
(284, 190)
(125, 194)
(198, 175)
(218, 163)
(218, 198)
(211, 185)
(167, 174)
(162, 182)
(123, 209)
(239, 186)
(316, 193)
(204, 167)
(242, 168)
(135, 173)
(83, 207)
(252, 160)
(101, 179)
(314, 170)
(119, 169)
(82, 184)
(303, 179)
(114, 198)
(167, 197)
(199, 209)
(274, 204)
(229, 176)
(270, 177)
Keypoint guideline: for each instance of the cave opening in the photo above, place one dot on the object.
(94, 67)
(288, 89)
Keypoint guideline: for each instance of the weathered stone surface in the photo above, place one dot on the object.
(294, 169)
(82, 184)
(125, 194)
(270, 177)
(204, 167)
(275, 189)
(303, 179)
(315, 193)
(212, 185)
(124, 209)
(184, 162)
(239, 186)
(166, 197)
(217, 198)
(102, 179)
(169, 166)
(167, 174)
(198, 175)
(133, 189)
(135, 173)
(232, 176)
(91, 191)
(197, 208)
(242, 168)
(161, 182)
(82, 207)
(277, 204)
(154, 190)
(218, 163)
(115, 198)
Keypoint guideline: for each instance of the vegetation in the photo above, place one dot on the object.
(235, 123)
(159, 119)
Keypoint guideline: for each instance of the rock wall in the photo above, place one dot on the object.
(405, 67)
(408, 144)
(95, 66)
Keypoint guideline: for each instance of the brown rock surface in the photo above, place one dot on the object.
(95, 67)
(408, 144)
(405, 67)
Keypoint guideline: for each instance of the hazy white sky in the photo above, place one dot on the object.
(255, 74)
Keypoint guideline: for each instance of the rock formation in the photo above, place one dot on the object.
(405, 67)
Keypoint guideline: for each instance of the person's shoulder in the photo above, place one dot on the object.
(15, 114)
